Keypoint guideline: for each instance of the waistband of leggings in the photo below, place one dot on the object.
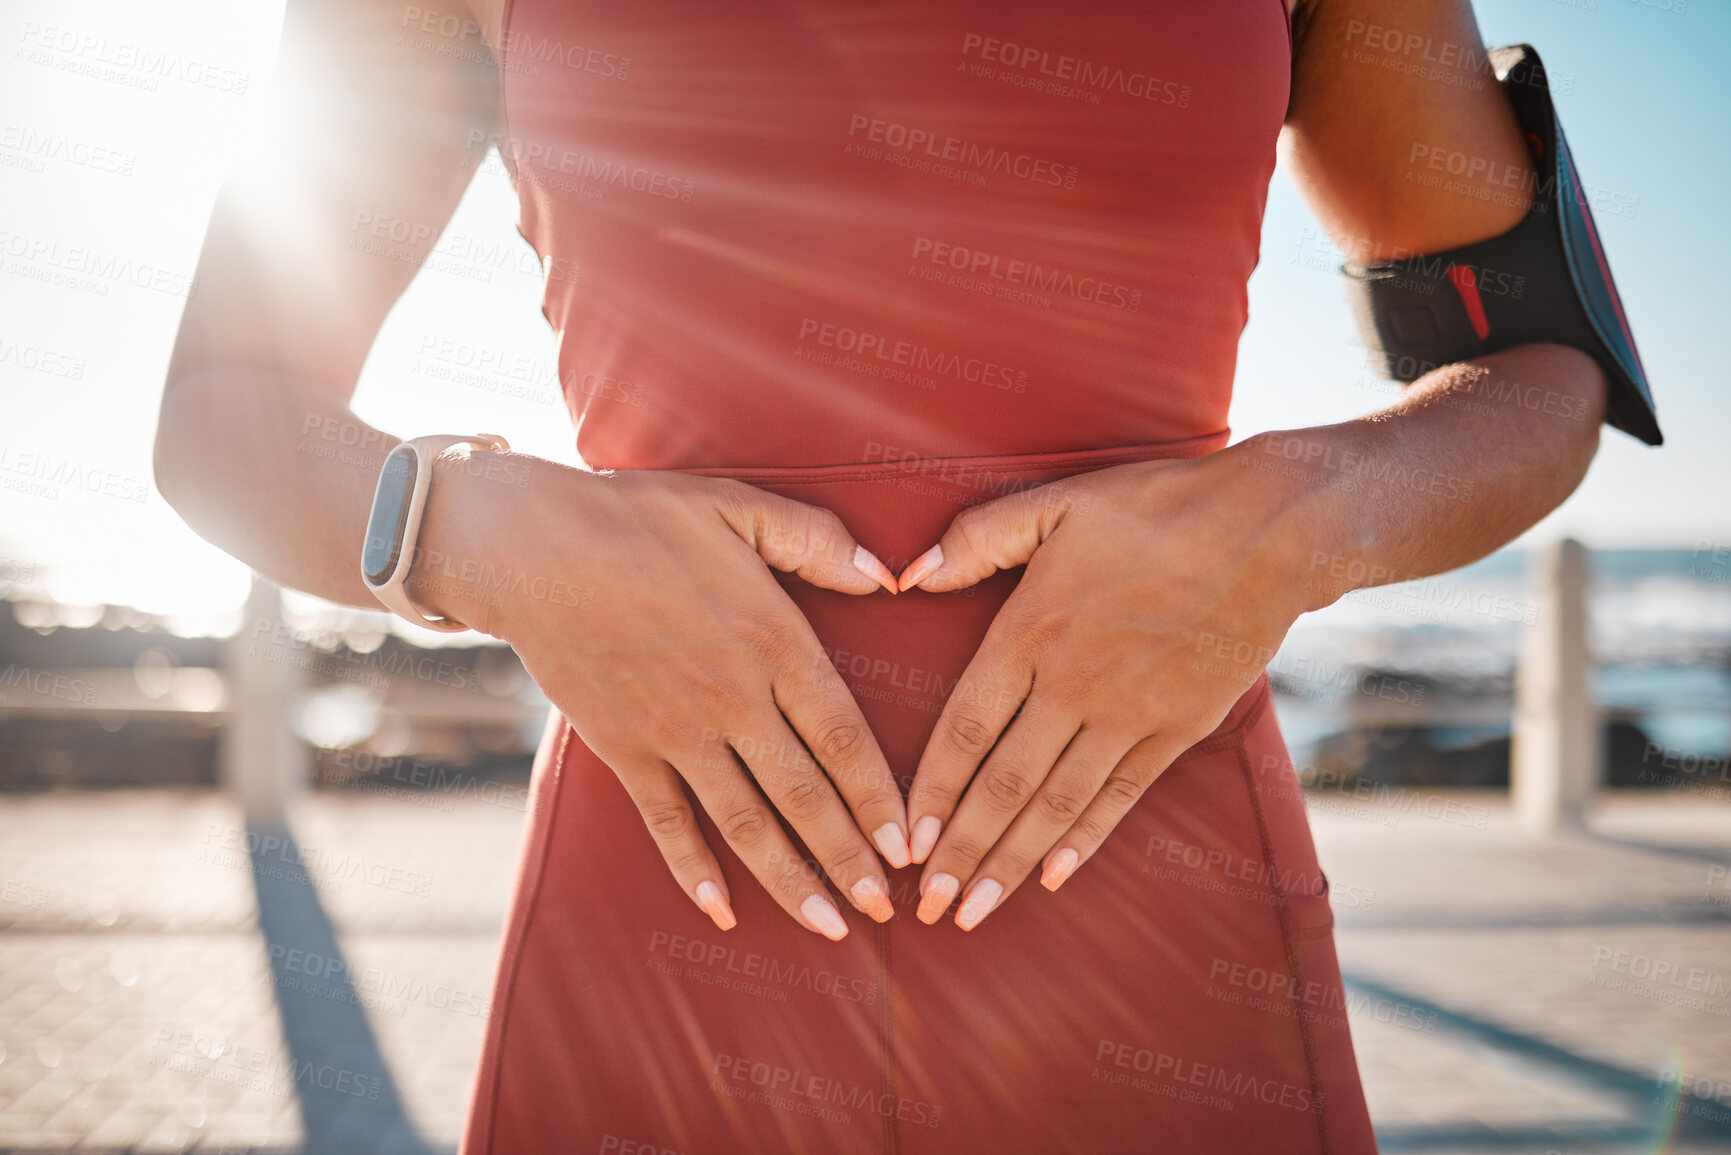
(959, 469)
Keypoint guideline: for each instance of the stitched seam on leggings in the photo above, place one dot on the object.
(532, 903)
(1188, 448)
(889, 471)
(886, 1040)
(1220, 741)
(1288, 943)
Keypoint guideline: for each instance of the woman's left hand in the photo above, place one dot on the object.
(1155, 594)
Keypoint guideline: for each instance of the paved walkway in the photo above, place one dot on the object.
(1505, 995)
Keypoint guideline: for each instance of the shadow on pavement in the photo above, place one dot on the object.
(1709, 854)
(348, 1101)
(1660, 1114)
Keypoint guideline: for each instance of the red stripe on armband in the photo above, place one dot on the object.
(1467, 285)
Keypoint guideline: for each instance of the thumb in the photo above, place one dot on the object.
(1000, 534)
(806, 540)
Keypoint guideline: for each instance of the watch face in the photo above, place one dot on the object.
(390, 513)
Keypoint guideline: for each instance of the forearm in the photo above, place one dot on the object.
(1473, 456)
(256, 446)
(274, 471)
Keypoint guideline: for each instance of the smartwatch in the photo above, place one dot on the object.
(395, 523)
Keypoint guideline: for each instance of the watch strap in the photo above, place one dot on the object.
(392, 591)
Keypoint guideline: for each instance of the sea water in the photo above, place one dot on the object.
(1659, 629)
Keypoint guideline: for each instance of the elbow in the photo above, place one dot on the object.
(1563, 393)
(1577, 381)
(1584, 381)
(174, 455)
(165, 457)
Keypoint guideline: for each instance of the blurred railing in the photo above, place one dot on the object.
(254, 701)
(258, 696)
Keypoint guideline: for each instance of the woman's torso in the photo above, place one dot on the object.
(783, 234)
(754, 264)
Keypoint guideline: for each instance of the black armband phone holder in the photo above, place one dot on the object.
(1546, 279)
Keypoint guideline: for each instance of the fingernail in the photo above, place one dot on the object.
(1059, 867)
(939, 892)
(822, 914)
(715, 906)
(926, 832)
(867, 563)
(924, 566)
(891, 844)
(868, 895)
(981, 899)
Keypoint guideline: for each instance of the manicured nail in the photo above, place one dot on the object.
(923, 567)
(1059, 867)
(868, 895)
(715, 906)
(926, 832)
(867, 563)
(892, 845)
(940, 891)
(981, 899)
(822, 914)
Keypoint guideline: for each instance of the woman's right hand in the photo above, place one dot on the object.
(643, 605)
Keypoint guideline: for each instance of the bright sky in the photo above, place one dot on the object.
(118, 120)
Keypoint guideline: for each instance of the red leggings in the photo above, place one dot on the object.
(1179, 994)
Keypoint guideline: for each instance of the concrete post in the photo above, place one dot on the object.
(264, 762)
(1555, 761)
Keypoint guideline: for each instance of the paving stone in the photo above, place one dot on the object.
(1547, 984)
